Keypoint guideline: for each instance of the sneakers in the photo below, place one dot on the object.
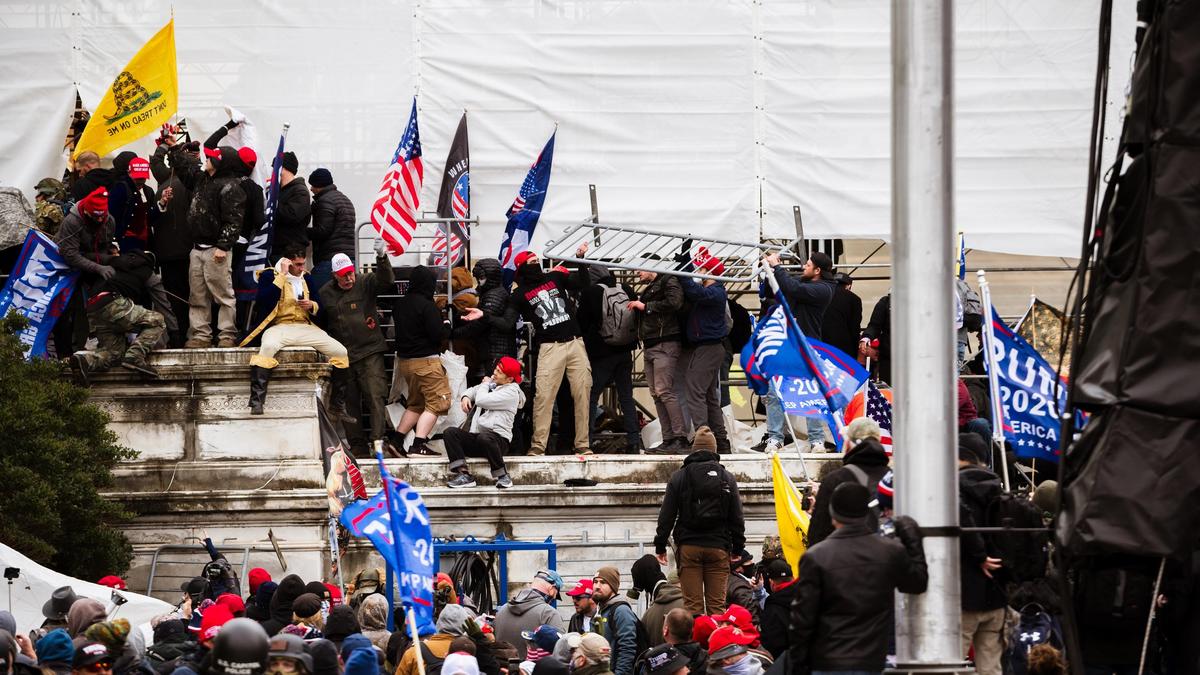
(227, 343)
(422, 450)
(137, 362)
(503, 482)
(464, 480)
(583, 451)
(196, 343)
(772, 446)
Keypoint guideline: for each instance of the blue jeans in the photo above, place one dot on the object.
(775, 418)
(321, 274)
(815, 430)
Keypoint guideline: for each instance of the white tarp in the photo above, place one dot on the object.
(709, 117)
(33, 587)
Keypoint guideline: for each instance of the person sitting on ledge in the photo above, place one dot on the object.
(495, 402)
(288, 320)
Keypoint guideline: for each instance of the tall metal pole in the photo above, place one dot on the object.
(927, 634)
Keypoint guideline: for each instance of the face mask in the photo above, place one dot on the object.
(742, 667)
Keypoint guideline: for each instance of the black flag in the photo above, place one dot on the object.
(454, 201)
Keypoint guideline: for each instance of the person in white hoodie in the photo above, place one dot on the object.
(495, 402)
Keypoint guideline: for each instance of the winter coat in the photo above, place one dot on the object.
(172, 238)
(218, 207)
(525, 612)
(351, 317)
(497, 407)
(290, 588)
(977, 487)
(84, 244)
(842, 323)
(544, 299)
(966, 407)
(666, 597)
(134, 214)
(267, 297)
(439, 646)
(775, 618)
(372, 618)
(739, 591)
(663, 298)
(332, 229)
(498, 334)
(706, 319)
(618, 624)
(879, 327)
(730, 537)
(87, 184)
(292, 217)
(806, 299)
(842, 616)
(869, 456)
(422, 330)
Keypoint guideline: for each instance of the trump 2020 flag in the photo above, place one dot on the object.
(38, 289)
(778, 348)
(805, 397)
(454, 200)
(1027, 393)
(525, 210)
(394, 215)
(397, 523)
(258, 251)
(142, 96)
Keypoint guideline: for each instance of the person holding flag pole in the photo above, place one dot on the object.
(989, 356)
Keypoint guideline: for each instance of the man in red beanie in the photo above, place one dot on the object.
(494, 402)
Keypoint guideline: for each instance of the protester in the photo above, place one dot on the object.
(876, 341)
(864, 463)
(290, 588)
(134, 207)
(352, 318)
(341, 621)
(286, 317)
(92, 658)
(729, 650)
(842, 616)
(307, 620)
(492, 405)
(55, 652)
(539, 644)
(544, 300)
(842, 323)
(739, 589)
(677, 632)
(294, 211)
(984, 603)
(172, 241)
(497, 336)
(702, 513)
(585, 607)
(706, 332)
(333, 223)
(89, 176)
(664, 660)
(113, 313)
(450, 624)
(609, 330)
(55, 609)
(50, 205)
(83, 614)
(590, 655)
(618, 623)
(529, 609)
(659, 306)
(372, 619)
(968, 416)
(664, 595)
(777, 609)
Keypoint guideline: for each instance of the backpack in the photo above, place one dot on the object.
(864, 480)
(972, 306)
(433, 665)
(643, 636)
(705, 497)
(1036, 627)
(618, 324)
(1024, 553)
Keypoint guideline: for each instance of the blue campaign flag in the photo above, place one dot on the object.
(397, 523)
(1032, 401)
(38, 289)
(259, 248)
(525, 210)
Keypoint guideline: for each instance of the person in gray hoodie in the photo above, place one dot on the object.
(493, 405)
(529, 609)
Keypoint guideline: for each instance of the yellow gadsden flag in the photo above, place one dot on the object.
(143, 96)
(790, 515)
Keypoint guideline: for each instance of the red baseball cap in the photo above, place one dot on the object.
(736, 615)
(512, 368)
(727, 641)
(335, 595)
(248, 156)
(139, 168)
(112, 581)
(581, 587)
(703, 629)
(524, 256)
(214, 617)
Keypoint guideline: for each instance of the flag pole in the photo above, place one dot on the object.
(788, 418)
(989, 358)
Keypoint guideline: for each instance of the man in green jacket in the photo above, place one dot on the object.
(351, 318)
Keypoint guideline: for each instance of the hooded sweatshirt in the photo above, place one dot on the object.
(525, 612)
(449, 626)
(497, 407)
(666, 597)
(422, 331)
(84, 613)
(618, 624)
(372, 618)
(290, 588)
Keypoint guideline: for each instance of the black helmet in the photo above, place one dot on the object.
(288, 646)
(240, 649)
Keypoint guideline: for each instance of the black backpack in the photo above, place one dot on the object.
(1024, 553)
(706, 496)
(643, 636)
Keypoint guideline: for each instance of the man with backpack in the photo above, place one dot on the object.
(617, 621)
(702, 513)
(968, 318)
(610, 335)
(984, 605)
(864, 463)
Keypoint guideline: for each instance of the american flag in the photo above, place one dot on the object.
(880, 410)
(459, 203)
(394, 215)
(526, 209)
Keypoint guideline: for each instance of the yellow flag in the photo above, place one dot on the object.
(790, 515)
(142, 97)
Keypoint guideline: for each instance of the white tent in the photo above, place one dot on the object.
(691, 116)
(32, 588)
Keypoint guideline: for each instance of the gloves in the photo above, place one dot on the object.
(473, 631)
(909, 534)
(381, 248)
(685, 252)
(107, 272)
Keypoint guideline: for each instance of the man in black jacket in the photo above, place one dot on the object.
(294, 210)
(983, 600)
(842, 323)
(332, 229)
(420, 332)
(543, 299)
(611, 363)
(864, 463)
(497, 336)
(215, 218)
(876, 341)
(842, 616)
(661, 301)
(702, 513)
(352, 319)
(777, 608)
(172, 242)
(90, 176)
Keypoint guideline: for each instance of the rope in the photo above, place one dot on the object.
(1150, 619)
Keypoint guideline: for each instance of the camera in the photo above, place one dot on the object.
(118, 599)
(11, 573)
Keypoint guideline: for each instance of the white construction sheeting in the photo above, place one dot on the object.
(705, 117)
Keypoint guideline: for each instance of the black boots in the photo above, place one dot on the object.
(339, 378)
(259, 377)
